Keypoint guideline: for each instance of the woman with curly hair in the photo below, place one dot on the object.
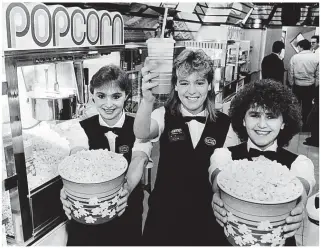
(266, 115)
(189, 130)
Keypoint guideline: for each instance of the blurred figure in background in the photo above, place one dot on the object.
(304, 77)
(169, 27)
(315, 44)
(313, 122)
(272, 65)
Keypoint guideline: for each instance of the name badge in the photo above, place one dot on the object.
(210, 141)
(176, 135)
(123, 149)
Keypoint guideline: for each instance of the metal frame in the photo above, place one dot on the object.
(18, 175)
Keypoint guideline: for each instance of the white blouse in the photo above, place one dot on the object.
(195, 128)
(79, 138)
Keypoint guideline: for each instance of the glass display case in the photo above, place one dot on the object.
(217, 51)
(230, 58)
(43, 96)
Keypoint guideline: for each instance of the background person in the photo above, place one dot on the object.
(313, 121)
(272, 64)
(315, 44)
(304, 77)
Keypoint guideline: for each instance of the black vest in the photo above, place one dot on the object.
(284, 157)
(97, 139)
(180, 204)
(130, 223)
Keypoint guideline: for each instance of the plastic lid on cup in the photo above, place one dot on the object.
(160, 40)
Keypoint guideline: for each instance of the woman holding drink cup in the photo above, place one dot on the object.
(189, 129)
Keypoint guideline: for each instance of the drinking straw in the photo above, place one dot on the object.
(164, 22)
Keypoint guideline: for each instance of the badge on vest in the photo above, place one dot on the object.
(210, 141)
(176, 135)
(123, 149)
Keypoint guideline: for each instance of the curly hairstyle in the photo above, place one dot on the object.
(113, 76)
(269, 95)
(186, 63)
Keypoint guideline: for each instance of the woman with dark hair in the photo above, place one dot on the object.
(266, 116)
(189, 130)
(111, 129)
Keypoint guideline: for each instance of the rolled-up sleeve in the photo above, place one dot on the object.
(143, 146)
(77, 137)
(159, 116)
(219, 159)
(231, 138)
(303, 167)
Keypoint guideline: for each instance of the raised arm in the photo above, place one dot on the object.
(140, 157)
(141, 153)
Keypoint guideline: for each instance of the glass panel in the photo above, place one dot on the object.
(8, 159)
(43, 147)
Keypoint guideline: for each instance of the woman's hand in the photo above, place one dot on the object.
(65, 203)
(122, 201)
(294, 221)
(147, 85)
(219, 210)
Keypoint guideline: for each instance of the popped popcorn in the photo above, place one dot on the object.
(93, 166)
(261, 180)
(48, 150)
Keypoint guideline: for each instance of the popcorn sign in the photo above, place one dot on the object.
(35, 25)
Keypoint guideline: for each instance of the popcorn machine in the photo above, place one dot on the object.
(44, 90)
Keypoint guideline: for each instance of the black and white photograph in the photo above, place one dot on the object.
(160, 123)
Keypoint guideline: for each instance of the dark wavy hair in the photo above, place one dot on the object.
(277, 46)
(272, 96)
(113, 75)
(305, 44)
(186, 63)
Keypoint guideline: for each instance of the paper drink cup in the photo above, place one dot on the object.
(164, 69)
(161, 50)
(160, 47)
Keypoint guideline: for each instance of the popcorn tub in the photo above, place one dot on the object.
(256, 222)
(93, 188)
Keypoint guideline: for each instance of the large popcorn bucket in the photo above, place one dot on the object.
(255, 222)
(95, 202)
